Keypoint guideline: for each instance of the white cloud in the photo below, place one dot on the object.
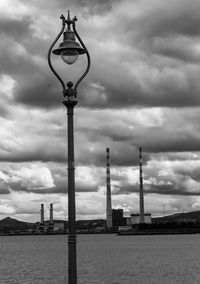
(5, 209)
(36, 177)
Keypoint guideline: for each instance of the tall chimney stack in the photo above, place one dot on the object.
(141, 189)
(42, 214)
(108, 192)
(51, 213)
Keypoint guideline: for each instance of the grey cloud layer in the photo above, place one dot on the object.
(139, 64)
(142, 90)
(33, 135)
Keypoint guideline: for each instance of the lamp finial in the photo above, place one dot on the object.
(68, 21)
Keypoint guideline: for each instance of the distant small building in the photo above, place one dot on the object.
(135, 218)
(59, 226)
(125, 228)
(127, 221)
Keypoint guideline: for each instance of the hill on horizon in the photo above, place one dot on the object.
(192, 216)
(11, 221)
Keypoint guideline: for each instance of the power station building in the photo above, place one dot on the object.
(141, 217)
(46, 225)
(118, 218)
(135, 218)
(114, 217)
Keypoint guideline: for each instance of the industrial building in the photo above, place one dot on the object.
(114, 217)
(141, 217)
(135, 218)
(45, 226)
(118, 218)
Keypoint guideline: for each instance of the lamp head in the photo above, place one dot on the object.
(69, 49)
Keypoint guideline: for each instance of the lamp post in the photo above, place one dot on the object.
(69, 50)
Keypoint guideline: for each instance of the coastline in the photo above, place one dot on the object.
(161, 232)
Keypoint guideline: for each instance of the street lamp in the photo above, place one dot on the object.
(69, 50)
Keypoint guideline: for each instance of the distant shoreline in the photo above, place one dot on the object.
(120, 233)
(160, 232)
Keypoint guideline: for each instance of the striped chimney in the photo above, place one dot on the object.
(42, 214)
(108, 191)
(51, 213)
(141, 188)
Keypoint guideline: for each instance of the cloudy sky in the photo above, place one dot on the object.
(143, 89)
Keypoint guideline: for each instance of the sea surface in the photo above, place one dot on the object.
(102, 259)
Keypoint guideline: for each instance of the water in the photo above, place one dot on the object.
(102, 259)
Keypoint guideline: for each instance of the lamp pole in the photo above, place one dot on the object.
(69, 50)
(72, 270)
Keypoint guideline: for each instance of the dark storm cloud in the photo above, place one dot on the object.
(170, 30)
(16, 29)
(150, 188)
(121, 154)
(160, 139)
(176, 156)
(169, 190)
(4, 189)
(159, 186)
(96, 6)
(157, 86)
(152, 139)
(170, 141)
(123, 136)
(61, 187)
(148, 35)
(126, 155)
(162, 29)
(39, 92)
(190, 172)
(12, 38)
(32, 155)
(91, 6)
(172, 17)
(177, 48)
(34, 84)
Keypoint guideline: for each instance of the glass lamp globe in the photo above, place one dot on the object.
(69, 56)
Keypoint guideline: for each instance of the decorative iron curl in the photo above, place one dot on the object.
(86, 51)
(50, 50)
